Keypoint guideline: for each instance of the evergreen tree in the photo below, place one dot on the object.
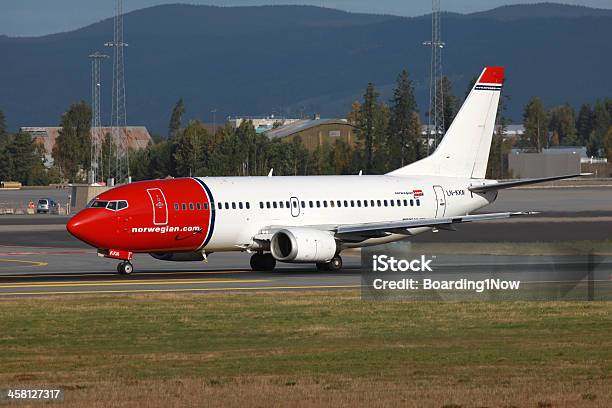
(584, 124)
(176, 118)
(535, 122)
(366, 125)
(608, 144)
(22, 153)
(71, 152)
(404, 137)
(470, 86)
(562, 124)
(2, 125)
(189, 152)
(450, 105)
(601, 123)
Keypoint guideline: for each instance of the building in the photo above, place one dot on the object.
(138, 138)
(261, 123)
(315, 132)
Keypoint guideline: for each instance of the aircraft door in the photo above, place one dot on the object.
(440, 201)
(295, 207)
(160, 207)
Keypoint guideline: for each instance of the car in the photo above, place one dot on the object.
(47, 206)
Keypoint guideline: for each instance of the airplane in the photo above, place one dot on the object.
(305, 219)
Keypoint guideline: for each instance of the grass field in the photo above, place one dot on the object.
(307, 349)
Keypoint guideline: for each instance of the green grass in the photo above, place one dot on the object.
(326, 346)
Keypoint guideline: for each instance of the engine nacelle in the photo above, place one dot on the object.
(303, 245)
(178, 256)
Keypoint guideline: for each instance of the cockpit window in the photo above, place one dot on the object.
(121, 205)
(112, 205)
(98, 204)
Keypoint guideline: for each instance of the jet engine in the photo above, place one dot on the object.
(178, 256)
(303, 245)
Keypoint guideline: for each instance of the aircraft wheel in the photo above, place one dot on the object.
(125, 268)
(335, 264)
(269, 262)
(262, 262)
(322, 266)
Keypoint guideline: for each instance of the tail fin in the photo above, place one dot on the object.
(464, 150)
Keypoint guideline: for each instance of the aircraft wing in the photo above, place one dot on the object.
(380, 229)
(507, 184)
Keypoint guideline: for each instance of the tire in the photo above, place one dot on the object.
(256, 262)
(263, 262)
(125, 268)
(335, 264)
(322, 266)
(269, 262)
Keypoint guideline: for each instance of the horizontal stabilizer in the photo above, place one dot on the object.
(507, 184)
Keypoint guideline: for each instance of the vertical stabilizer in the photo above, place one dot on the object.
(464, 150)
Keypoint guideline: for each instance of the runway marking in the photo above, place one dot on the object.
(262, 288)
(127, 283)
(43, 253)
(70, 275)
(32, 263)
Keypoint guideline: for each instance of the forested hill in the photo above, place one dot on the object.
(289, 59)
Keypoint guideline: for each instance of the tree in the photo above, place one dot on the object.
(584, 124)
(608, 144)
(367, 123)
(450, 103)
(176, 118)
(353, 116)
(189, 152)
(404, 137)
(601, 123)
(470, 86)
(535, 123)
(22, 153)
(71, 152)
(2, 125)
(562, 124)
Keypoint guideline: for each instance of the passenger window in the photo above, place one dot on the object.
(331, 203)
(365, 203)
(325, 203)
(268, 205)
(191, 207)
(358, 203)
(206, 206)
(345, 203)
(248, 206)
(399, 203)
(287, 204)
(184, 206)
(176, 206)
(310, 204)
(227, 206)
(392, 203)
(198, 206)
(378, 203)
(385, 202)
(240, 205)
(405, 203)
(303, 204)
(412, 203)
(318, 204)
(371, 203)
(274, 204)
(233, 206)
(280, 204)
(261, 204)
(418, 203)
(352, 203)
(339, 203)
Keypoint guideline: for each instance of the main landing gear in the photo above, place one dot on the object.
(125, 268)
(333, 265)
(262, 262)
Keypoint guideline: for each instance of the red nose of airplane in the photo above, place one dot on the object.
(82, 226)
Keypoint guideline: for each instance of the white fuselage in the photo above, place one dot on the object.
(313, 201)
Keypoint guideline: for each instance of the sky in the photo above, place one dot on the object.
(40, 17)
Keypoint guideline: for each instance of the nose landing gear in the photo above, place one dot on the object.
(125, 268)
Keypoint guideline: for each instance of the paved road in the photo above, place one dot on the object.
(30, 271)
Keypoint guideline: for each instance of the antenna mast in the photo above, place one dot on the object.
(436, 97)
(119, 165)
(96, 172)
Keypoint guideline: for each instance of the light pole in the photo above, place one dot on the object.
(214, 113)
